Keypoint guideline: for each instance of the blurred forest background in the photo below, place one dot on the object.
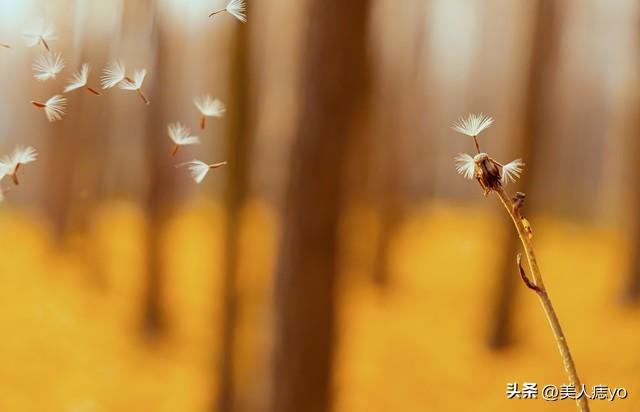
(338, 263)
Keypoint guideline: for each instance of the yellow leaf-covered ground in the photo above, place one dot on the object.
(71, 314)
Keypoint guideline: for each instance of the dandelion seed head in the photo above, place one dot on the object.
(47, 66)
(113, 74)
(198, 170)
(79, 79)
(181, 135)
(237, 9)
(55, 108)
(41, 31)
(210, 107)
(21, 156)
(136, 84)
(473, 124)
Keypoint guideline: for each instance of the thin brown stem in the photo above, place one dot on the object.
(174, 151)
(39, 105)
(475, 141)
(143, 97)
(94, 91)
(545, 300)
(6, 46)
(203, 121)
(524, 276)
(14, 175)
(216, 12)
(217, 165)
(44, 43)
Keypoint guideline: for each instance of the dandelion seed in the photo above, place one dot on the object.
(135, 84)
(236, 8)
(180, 136)
(47, 66)
(511, 171)
(41, 33)
(473, 124)
(113, 74)
(199, 169)
(5, 45)
(54, 108)
(209, 107)
(20, 156)
(80, 79)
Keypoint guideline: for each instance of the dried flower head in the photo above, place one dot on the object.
(42, 32)
(54, 108)
(199, 169)
(209, 107)
(180, 136)
(113, 74)
(491, 174)
(80, 79)
(237, 8)
(47, 66)
(20, 156)
(135, 84)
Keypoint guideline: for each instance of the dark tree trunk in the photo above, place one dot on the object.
(238, 168)
(542, 48)
(631, 291)
(160, 187)
(334, 81)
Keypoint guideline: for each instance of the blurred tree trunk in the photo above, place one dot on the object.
(391, 215)
(542, 48)
(392, 197)
(89, 132)
(60, 155)
(160, 184)
(59, 158)
(334, 78)
(408, 99)
(239, 149)
(388, 172)
(631, 292)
